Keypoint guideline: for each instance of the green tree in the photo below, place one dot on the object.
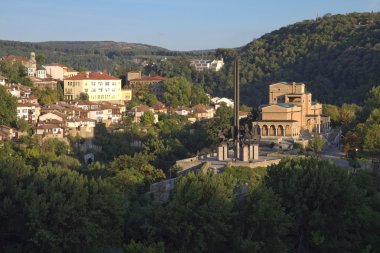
(22, 125)
(67, 211)
(263, 224)
(317, 144)
(198, 96)
(83, 96)
(333, 112)
(326, 206)
(137, 247)
(147, 118)
(8, 107)
(197, 217)
(177, 91)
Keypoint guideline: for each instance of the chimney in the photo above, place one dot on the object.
(87, 74)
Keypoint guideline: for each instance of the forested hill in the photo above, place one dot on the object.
(94, 55)
(338, 57)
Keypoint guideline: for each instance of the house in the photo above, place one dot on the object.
(160, 108)
(28, 111)
(97, 86)
(44, 83)
(182, 110)
(202, 112)
(153, 83)
(53, 115)
(138, 111)
(220, 101)
(19, 90)
(51, 130)
(290, 112)
(82, 127)
(30, 64)
(7, 133)
(59, 71)
(214, 65)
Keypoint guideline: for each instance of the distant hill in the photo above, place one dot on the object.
(95, 55)
(337, 56)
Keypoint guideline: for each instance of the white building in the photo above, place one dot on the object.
(200, 65)
(28, 111)
(219, 101)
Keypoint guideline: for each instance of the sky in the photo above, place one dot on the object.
(172, 24)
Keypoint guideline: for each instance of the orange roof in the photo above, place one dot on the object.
(92, 76)
(27, 105)
(150, 78)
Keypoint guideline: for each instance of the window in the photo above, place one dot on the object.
(114, 83)
(93, 90)
(93, 83)
(100, 90)
(107, 83)
(100, 83)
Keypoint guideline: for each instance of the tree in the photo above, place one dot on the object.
(263, 224)
(372, 102)
(147, 118)
(317, 143)
(197, 217)
(54, 195)
(22, 125)
(326, 206)
(177, 91)
(40, 59)
(83, 96)
(371, 140)
(8, 107)
(137, 247)
(333, 112)
(198, 96)
(348, 115)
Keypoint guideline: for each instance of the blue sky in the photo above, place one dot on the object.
(173, 24)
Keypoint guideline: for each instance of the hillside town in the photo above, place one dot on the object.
(89, 98)
(249, 134)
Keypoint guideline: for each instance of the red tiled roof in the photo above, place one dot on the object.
(92, 76)
(141, 108)
(150, 78)
(27, 105)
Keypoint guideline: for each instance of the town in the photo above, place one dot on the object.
(117, 147)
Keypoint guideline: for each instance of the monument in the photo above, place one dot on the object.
(243, 140)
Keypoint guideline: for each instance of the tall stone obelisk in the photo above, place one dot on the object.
(236, 110)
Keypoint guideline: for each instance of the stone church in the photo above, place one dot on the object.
(290, 113)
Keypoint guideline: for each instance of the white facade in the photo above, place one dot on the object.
(200, 65)
(28, 111)
(41, 73)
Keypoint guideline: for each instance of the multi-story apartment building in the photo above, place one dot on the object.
(98, 87)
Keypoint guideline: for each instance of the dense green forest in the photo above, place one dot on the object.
(93, 55)
(337, 56)
(50, 202)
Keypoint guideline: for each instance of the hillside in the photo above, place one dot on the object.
(338, 57)
(95, 55)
